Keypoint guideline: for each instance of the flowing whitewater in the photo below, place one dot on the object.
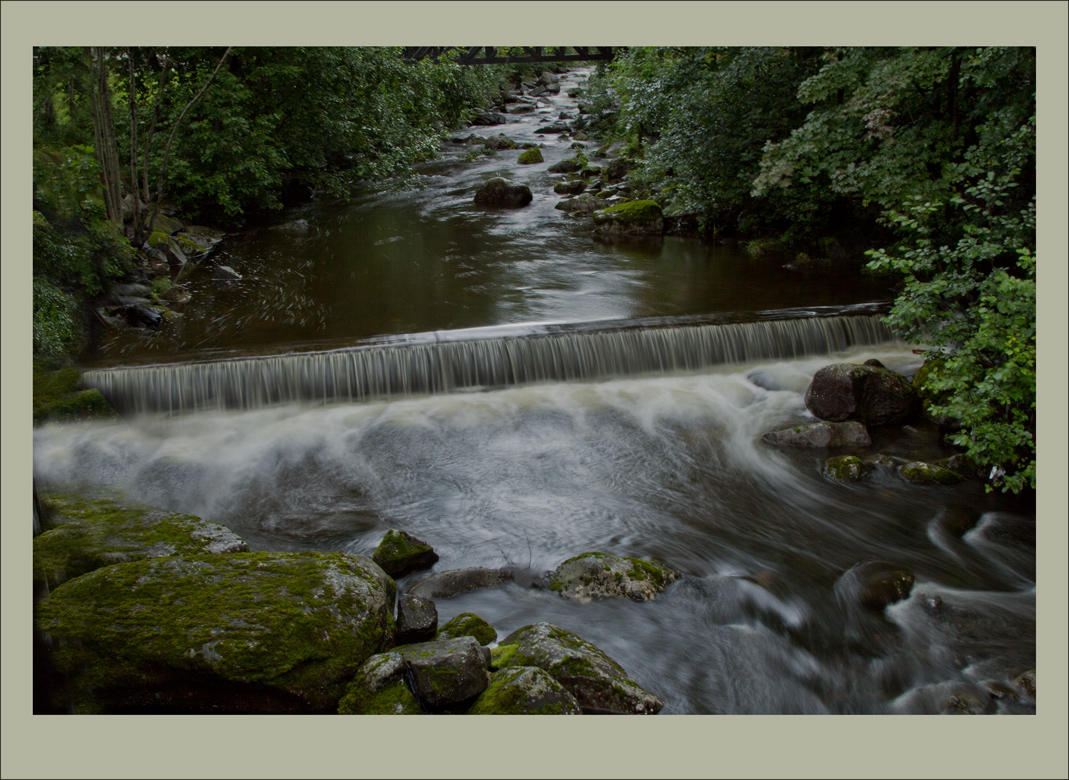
(515, 393)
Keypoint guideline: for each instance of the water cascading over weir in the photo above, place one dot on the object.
(489, 358)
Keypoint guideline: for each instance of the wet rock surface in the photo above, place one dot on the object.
(603, 575)
(597, 682)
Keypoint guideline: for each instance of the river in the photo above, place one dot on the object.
(662, 461)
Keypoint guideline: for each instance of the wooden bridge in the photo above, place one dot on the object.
(500, 55)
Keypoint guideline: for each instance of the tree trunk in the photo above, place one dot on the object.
(107, 148)
(135, 226)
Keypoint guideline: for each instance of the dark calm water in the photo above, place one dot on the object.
(664, 464)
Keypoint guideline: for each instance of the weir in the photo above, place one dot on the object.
(451, 361)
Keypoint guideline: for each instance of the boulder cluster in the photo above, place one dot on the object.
(850, 398)
(140, 610)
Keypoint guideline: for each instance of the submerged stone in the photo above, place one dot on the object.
(452, 583)
(603, 575)
(875, 585)
(597, 682)
(921, 473)
(400, 553)
(88, 533)
(252, 632)
(823, 434)
(468, 624)
(525, 690)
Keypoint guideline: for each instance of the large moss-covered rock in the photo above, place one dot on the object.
(531, 157)
(636, 217)
(87, 533)
(824, 434)
(468, 624)
(597, 682)
(400, 553)
(868, 394)
(920, 473)
(447, 584)
(603, 575)
(247, 632)
(448, 674)
(379, 688)
(506, 194)
(525, 690)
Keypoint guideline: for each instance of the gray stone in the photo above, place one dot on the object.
(822, 434)
(417, 619)
(399, 553)
(498, 192)
(603, 575)
(225, 273)
(379, 688)
(868, 394)
(447, 674)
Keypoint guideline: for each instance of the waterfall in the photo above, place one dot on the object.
(451, 361)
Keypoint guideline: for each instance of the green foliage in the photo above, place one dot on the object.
(57, 329)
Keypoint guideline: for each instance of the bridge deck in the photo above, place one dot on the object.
(498, 55)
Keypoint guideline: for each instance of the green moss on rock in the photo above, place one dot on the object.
(921, 473)
(58, 396)
(88, 533)
(468, 624)
(247, 632)
(524, 690)
(603, 575)
(531, 156)
(845, 468)
(400, 553)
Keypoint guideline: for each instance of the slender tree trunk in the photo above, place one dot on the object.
(161, 89)
(107, 148)
(170, 139)
(136, 225)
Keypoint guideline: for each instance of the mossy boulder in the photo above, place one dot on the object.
(447, 584)
(531, 157)
(603, 575)
(400, 553)
(868, 394)
(506, 194)
(920, 473)
(468, 624)
(448, 674)
(167, 225)
(379, 688)
(636, 217)
(585, 204)
(597, 682)
(88, 533)
(823, 434)
(499, 141)
(252, 632)
(845, 468)
(525, 690)
(59, 396)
